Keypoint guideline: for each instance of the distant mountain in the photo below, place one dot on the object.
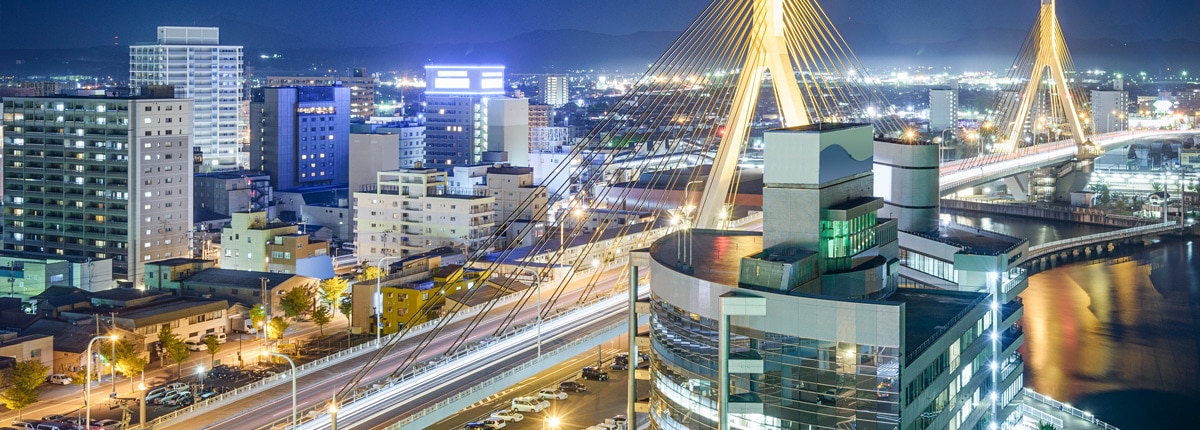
(562, 50)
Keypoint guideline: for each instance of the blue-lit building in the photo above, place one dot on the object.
(456, 112)
(301, 136)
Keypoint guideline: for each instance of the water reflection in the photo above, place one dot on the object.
(1107, 333)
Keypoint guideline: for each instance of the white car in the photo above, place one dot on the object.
(507, 415)
(552, 394)
(494, 423)
(529, 404)
(107, 424)
(195, 345)
(59, 378)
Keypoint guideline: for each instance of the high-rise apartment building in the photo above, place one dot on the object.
(301, 136)
(98, 177)
(410, 211)
(507, 130)
(456, 112)
(362, 89)
(943, 109)
(554, 90)
(193, 60)
(1109, 110)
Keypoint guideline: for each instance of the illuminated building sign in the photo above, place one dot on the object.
(465, 80)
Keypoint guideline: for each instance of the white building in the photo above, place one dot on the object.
(1109, 110)
(200, 68)
(508, 130)
(943, 109)
(410, 211)
(554, 90)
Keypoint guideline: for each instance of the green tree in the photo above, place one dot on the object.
(277, 327)
(130, 359)
(297, 302)
(332, 289)
(346, 305)
(23, 379)
(176, 350)
(258, 316)
(321, 316)
(167, 337)
(1042, 425)
(214, 346)
(369, 273)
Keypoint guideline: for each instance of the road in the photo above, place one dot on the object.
(580, 410)
(315, 390)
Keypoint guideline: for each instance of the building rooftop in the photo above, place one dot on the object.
(824, 127)
(241, 174)
(68, 336)
(928, 313)
(750, 181)
(973, 240)
(23, 339)
(476, 296)
(126, 294)
(178, 261)
(164, 311)
(244, 278)
(510, 170)
(716, 254)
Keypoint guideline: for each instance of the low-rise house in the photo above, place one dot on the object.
(168, 275)
(246, 287)
(189, 318)
(33, 346)
(55, 300)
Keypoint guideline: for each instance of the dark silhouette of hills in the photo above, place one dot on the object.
(563, 50)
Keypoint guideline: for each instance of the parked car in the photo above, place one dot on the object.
(152, 396)
(24, 425)
(183, 399)
(571, 386)
(594, 373)
(107, 425)
(59, 378)
(494, 423)
(508, 415)
(55, 417)
(529, 404)
(551, 394)
(171, 398)
(177, 386)
(195, 345)
(474, 425)
(828, 397)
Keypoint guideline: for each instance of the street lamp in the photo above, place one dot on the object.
(537, 285)
(293, 364)
(142, 406)
(552, 422)
(200, 372)
(87, 388)
(378, 299)
(333, 408)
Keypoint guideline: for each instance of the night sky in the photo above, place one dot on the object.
(329, 24)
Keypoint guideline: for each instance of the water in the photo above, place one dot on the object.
(1116, 337)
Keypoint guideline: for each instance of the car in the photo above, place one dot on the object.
(508, 415)
(55, 417)
(171, 398)
(828, 397)
(183, 399)
(529, 404)
(551, 394)
(59, 378)
(24, 425)
(106, 425)
(474, 425)
(195, 345)
(619, 366)
(177, 386)
(152, 396)
(571, 386)
(494, 423)
(594, 373)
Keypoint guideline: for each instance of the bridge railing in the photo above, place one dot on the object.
(1065, 407)
(1050, 247)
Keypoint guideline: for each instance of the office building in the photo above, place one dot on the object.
(507, 131)
(943, 109)
(252, 242)
(456, 112)
(1109, 110)
(362, 89)
(519, 202)
(554, 90)
(99, 178)
(411, 211)
(227, 192)
(803, 326)
(384, 143)
(301, 136)
(193, 60)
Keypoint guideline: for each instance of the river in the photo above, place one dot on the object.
(1116, 337)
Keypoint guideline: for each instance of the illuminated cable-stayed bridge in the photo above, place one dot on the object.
(696, 101)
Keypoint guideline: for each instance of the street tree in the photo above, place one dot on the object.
(276, 327)
(213, 346)
(258, 316)
(175, 349)
(321, 316)
(332, 289)
(130, 359)
(297, 302)
(167, 337)
(346, 305)
(22, 380)
(369, 273)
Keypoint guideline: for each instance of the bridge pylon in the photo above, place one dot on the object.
(1046, 50)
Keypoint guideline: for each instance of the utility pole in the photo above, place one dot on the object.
(266, 308)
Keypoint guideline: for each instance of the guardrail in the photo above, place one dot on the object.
(1065, 407)
(434, 363)
(1042, 417)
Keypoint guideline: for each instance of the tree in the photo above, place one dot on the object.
(346, 305)
(276, 327)
(332, 289)
(297, 302)
(214, 346)
(130, 360)
(23, 379)
(1042, 425)
(321, 317)
(176, 350)
(369, 273)
(258, 316)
